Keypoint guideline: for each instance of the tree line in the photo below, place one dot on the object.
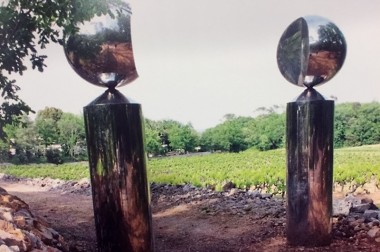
(56, 136)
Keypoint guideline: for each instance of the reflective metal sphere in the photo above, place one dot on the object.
(311, 51)
(101, 51)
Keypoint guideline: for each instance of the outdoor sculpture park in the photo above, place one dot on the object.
(117, 209)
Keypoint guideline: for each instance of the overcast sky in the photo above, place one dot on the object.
(199, 60)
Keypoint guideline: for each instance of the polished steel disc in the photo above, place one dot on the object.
(311, 51)
(101, 51)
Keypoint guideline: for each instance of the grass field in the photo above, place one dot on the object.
(245, 169)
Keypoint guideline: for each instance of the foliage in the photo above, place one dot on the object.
(228, 136)
(250, 168)
(182, 137)
(72, 135)
(54, 156)
(24, 142)
(169, 135)
(357, 164)
(70, 171)
(47, 125)
(152, 138)
(268, 132)
(4, 151)
(26, 27)
(357, 124)
(245, 169)
(54, 135)
(265, 132)
(259, 169)
(214, 139)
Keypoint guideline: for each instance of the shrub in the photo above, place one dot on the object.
(54, 156)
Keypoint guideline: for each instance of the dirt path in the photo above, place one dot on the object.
(178, 226)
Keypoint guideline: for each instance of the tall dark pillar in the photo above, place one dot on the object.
(118, 174)
(309, 131)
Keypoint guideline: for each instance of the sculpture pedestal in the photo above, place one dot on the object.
(117, 161)
(309, 132)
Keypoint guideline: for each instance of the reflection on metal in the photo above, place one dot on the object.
(101, 53)
(118, 176)
(309, 146)
(310, 94)
(110, 96)
(310, 52)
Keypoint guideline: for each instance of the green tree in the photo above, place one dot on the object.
(231, 135)
(26, 27)
(4, 150)
(363, 125)
(180, 137)
(47, 125)
(183, 137)
(72, 135)
(24, 141)
(345, 115)
(215, 139)
(153, 144)
(357, 124)
(167, 135)
(268, 131)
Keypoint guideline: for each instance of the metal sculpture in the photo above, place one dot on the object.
(101, 53)
(310, 52)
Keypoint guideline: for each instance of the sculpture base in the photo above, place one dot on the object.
(309, 146)
(120, 188)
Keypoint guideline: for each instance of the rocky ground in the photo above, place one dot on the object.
(185, 218)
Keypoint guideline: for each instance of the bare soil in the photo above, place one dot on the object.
(178, 226)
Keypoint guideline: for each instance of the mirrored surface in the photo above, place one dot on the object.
(311, 51)
(101, 51)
